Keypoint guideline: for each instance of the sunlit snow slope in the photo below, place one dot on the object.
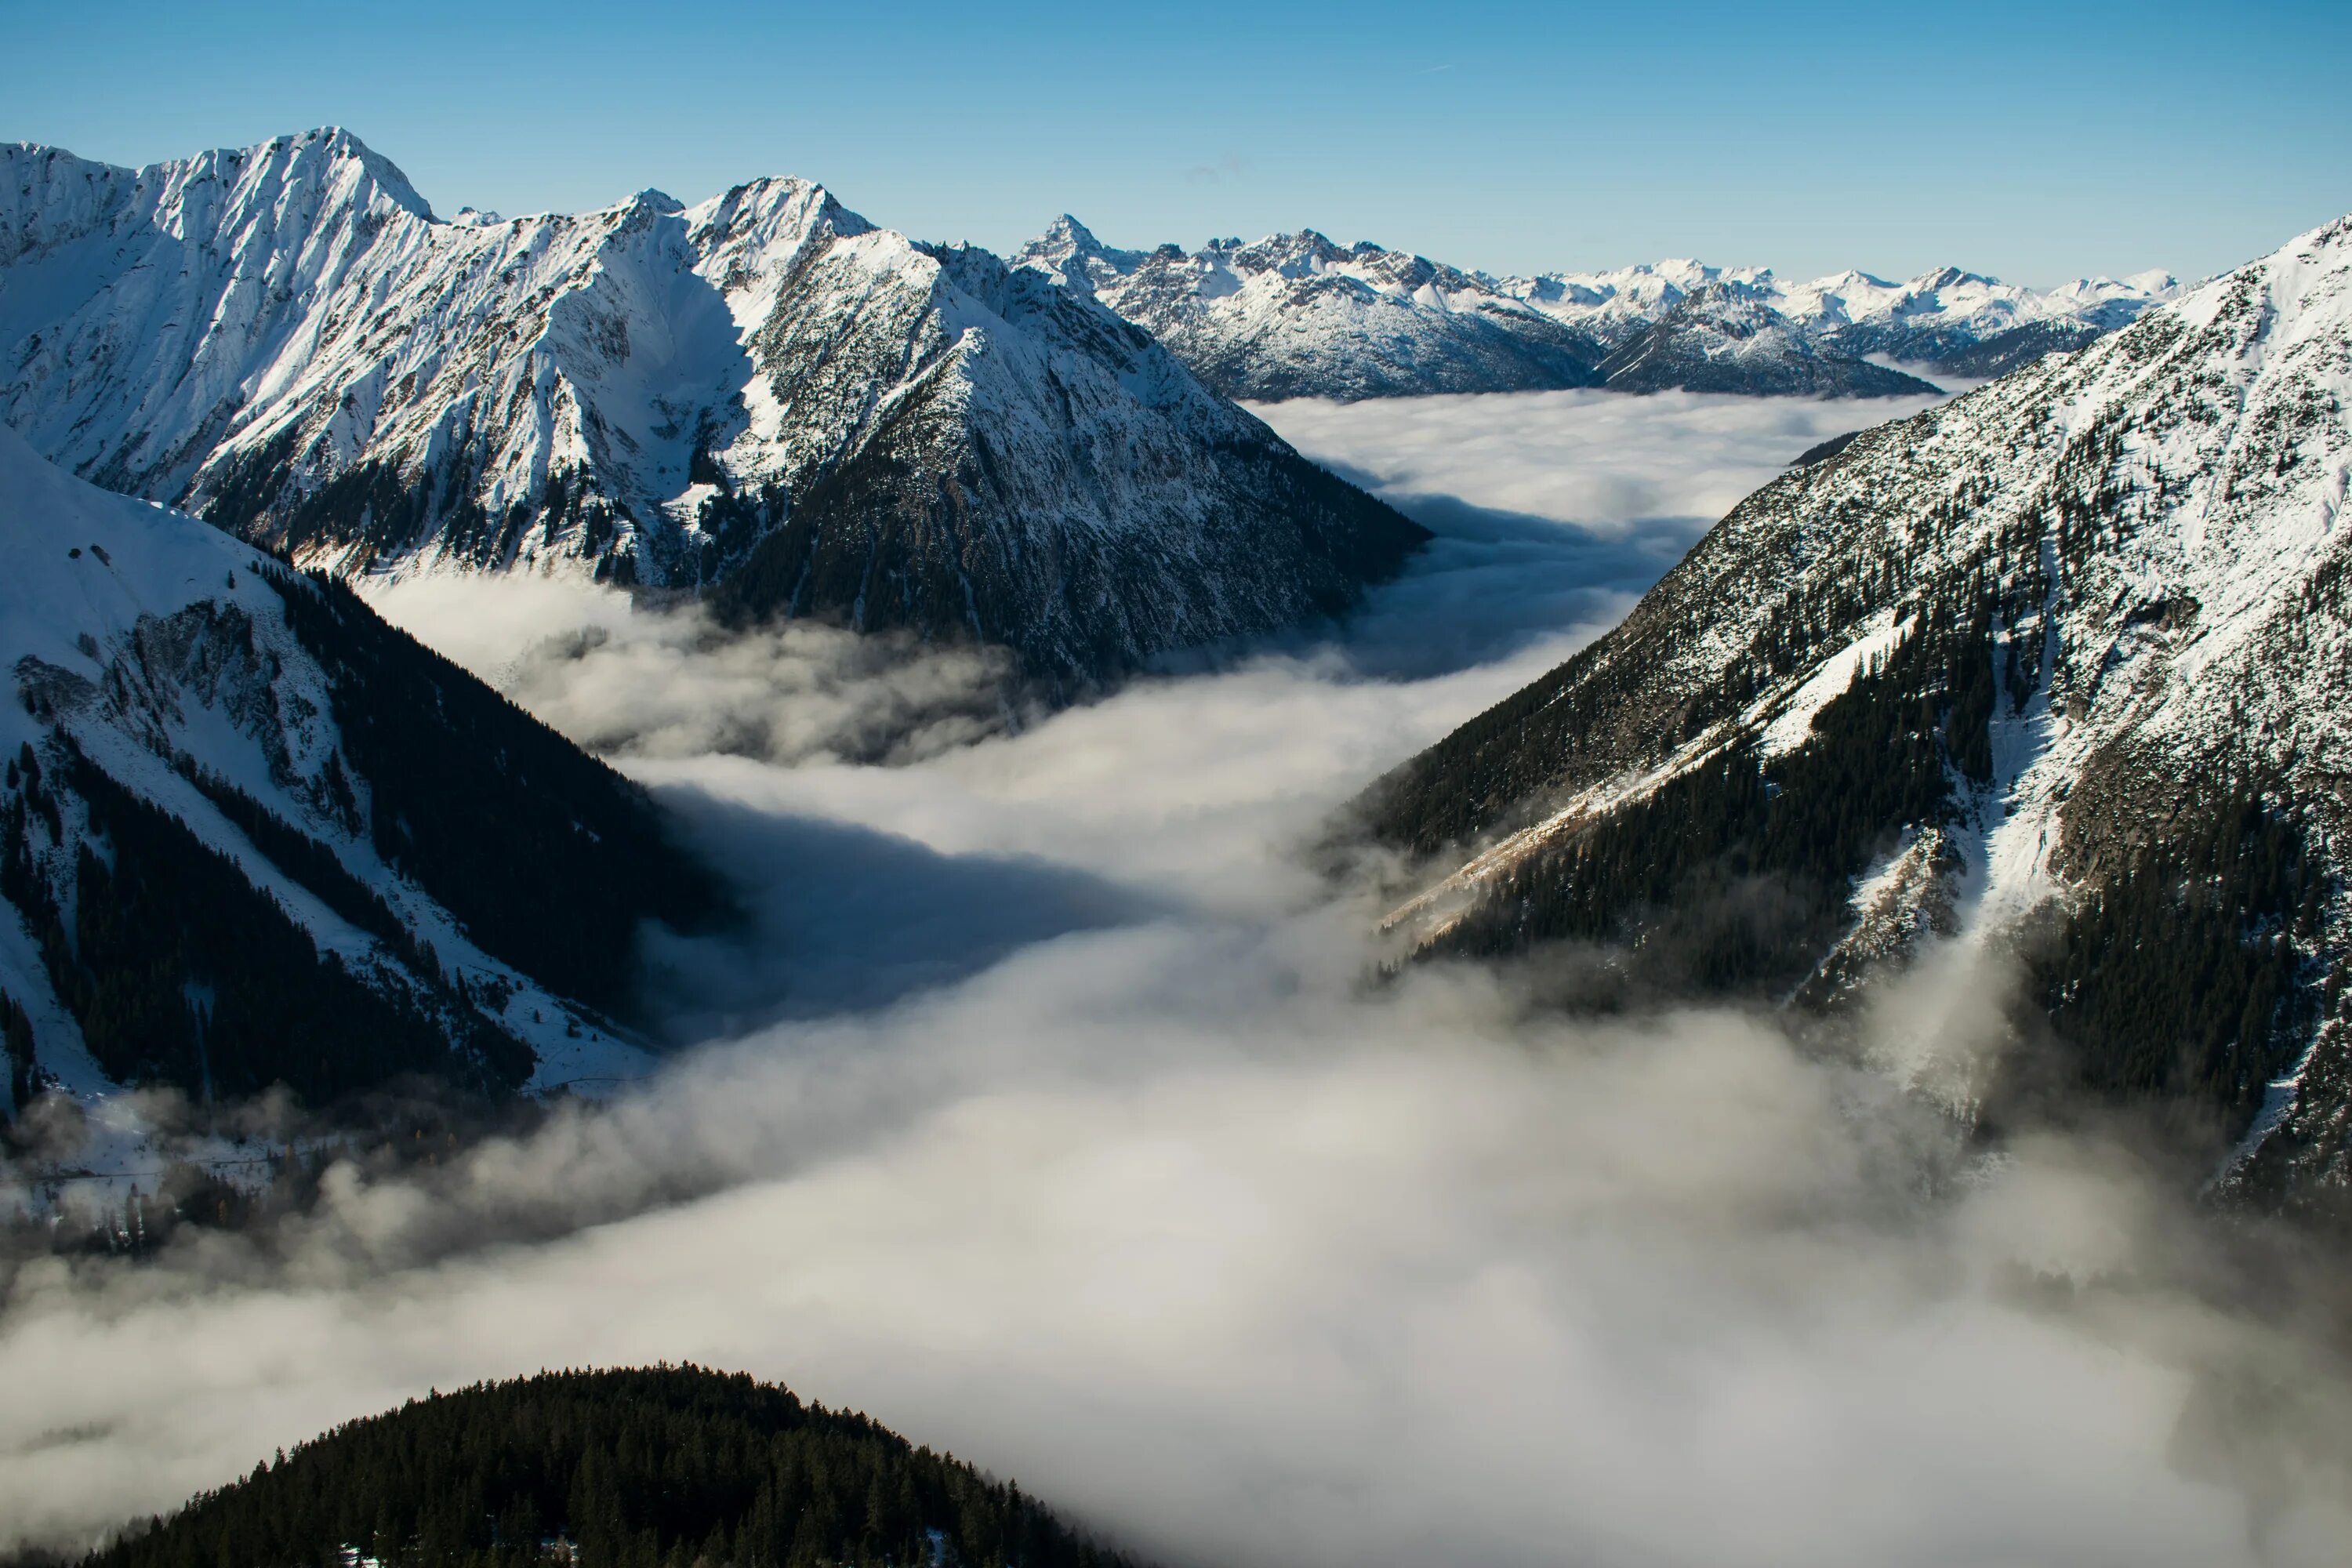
(763, 390)
(2063, 665)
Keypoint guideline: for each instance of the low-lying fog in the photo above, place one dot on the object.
(1054, 1123)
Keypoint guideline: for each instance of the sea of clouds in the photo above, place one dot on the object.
(1048, 1112)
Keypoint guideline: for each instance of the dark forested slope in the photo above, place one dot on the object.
(653, 1468)
(251, 835)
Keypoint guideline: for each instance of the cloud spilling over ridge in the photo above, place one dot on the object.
(1551, 509)
(1103, 1162)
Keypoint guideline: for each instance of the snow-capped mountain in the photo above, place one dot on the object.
(250, 834)
(763, 390)
(1966, 325)
(2059, 667)
(1723, 337)
(1295, 315)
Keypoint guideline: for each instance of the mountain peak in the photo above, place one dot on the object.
(1069, 253)
(1291, 255)
(1067, 230)
(1948, 277)
(333, 145)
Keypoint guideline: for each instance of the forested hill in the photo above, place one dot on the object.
(651, 1468)
(2064, 665)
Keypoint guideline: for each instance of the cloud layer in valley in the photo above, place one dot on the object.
(1058, 1121)
(1551, 509)
(1186, 1229)
(1606, 462)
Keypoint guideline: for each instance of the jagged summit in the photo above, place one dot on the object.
(762, 387)
(50, 197)
(1948, 277)
(1067, 236)
(2060, 666)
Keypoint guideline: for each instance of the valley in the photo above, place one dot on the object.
(1296, 903)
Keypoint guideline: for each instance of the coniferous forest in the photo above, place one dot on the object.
(181, 972)
(649, 1467)
(2172, 984)
(550, 857)
(179, 969)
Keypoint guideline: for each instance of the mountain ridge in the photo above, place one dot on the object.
(608, 1467)
(1724, 337)
(2052, 669)
(1298, 315)
(286, 342)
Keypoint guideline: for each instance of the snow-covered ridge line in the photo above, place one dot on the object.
(1296, 314)
(762, 390)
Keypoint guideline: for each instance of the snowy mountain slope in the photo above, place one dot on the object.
(1050, 479)
(1295, 315)
(232, 848)
(2059, 666)
(1961, 323)
(285, 341)
(1723, 337)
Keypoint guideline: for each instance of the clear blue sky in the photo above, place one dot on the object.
(2034, 142)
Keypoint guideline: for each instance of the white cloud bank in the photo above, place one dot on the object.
(1600, 459)
(1187, 1231)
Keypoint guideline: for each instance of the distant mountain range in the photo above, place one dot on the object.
(250, 834)
(2063, 668)
(763, 395)
(1295, 315)
(1727, 337)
